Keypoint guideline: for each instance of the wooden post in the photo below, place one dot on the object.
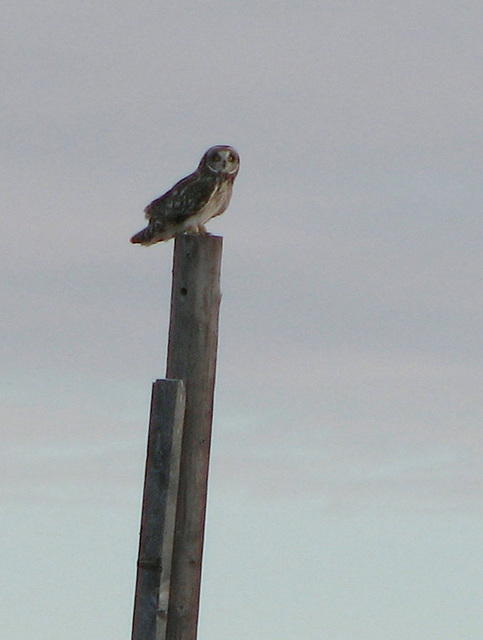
(192, 348)
(159, 508)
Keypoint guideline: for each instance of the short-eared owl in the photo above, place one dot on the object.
(193, 201)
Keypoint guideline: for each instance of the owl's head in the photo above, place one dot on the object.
(221, 159)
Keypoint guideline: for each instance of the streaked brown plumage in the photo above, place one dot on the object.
(188, 206)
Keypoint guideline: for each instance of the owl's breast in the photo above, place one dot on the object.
(218, 202)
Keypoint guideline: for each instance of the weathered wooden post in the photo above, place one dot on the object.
(192, 351)
(159, 507)
(171, 545)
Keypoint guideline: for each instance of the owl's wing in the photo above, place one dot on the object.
(183, 200)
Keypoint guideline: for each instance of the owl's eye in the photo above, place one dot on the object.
(216, 157)
(231, 158)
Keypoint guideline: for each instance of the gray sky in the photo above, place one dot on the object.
(345, 488)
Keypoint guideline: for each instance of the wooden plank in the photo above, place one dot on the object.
(159, 508)
(192, 350)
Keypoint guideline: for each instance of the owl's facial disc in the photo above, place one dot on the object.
(222, 160)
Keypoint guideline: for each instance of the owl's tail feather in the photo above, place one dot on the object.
(145, 236)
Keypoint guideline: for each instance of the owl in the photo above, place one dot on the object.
(188, 206)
